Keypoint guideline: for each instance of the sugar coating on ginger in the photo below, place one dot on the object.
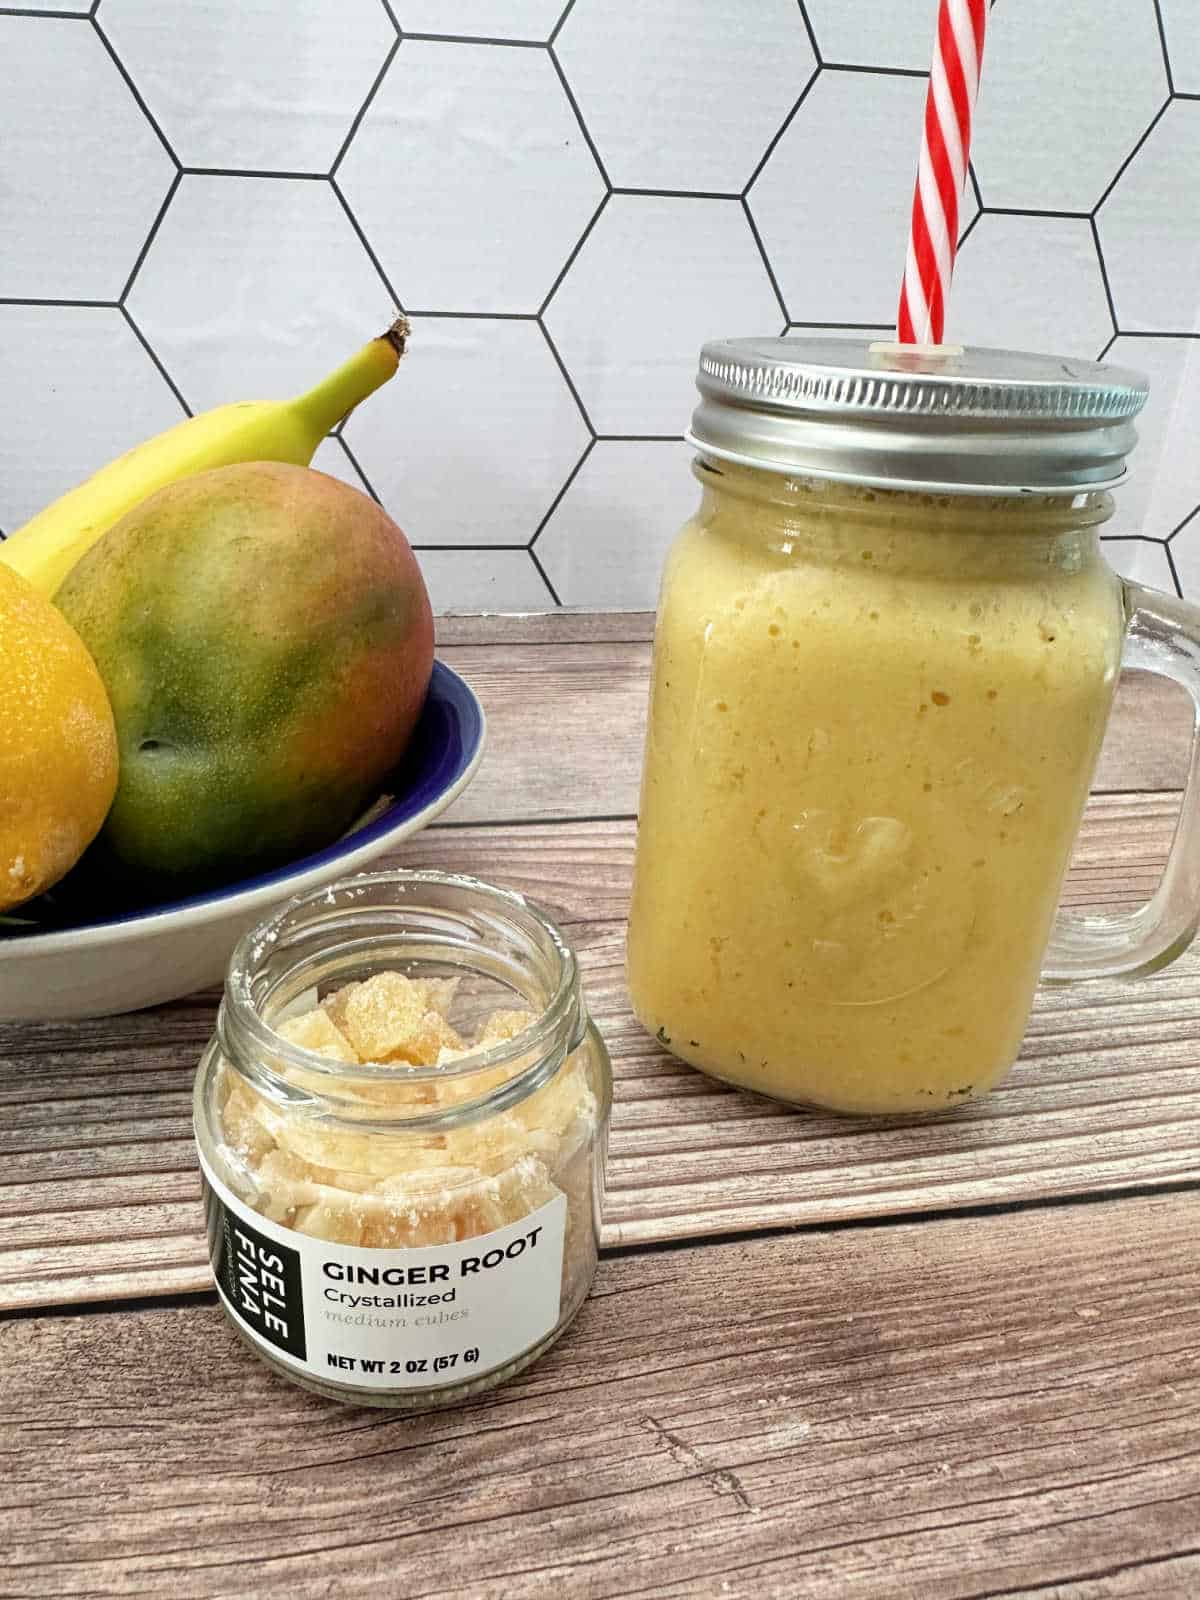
(317, 1031)
(503, 1026)
(392, 1018)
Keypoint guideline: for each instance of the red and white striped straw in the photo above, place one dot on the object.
(941, 171)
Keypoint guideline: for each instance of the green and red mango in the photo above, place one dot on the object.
(266, 640)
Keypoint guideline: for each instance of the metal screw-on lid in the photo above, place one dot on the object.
(942, 420)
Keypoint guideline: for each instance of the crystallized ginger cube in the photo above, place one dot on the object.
(244, 1125)
(316, 1031)
(334, 1005)
(461, 1202)
(490, 1145)
(333, 1220)
(502, 1026)
(388, 1018)
(558, 1104)
(286, 1174)
(524, 1187)
(435, 1036)
(439, 994)
(420, 1207)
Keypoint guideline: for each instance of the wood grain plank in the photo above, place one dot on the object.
(999, 1405)
(99, 1198)
(566, 724)
(1149, 737)
(565, 730)
(567, 625)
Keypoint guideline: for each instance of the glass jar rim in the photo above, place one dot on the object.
(240, 1011)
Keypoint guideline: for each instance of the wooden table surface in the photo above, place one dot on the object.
(957, 1358)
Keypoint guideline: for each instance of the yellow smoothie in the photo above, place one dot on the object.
(874, 719)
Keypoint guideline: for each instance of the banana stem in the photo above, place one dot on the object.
(336, 396)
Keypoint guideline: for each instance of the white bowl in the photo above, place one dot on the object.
(147, 957)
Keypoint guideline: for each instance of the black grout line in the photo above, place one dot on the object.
(1131, 538)
(1179, 96)
(152, 235)
(54, 16)
(583, 127)
(808, 28)
(853, 327)
(969, 229)
(366, 105)
(639, 438)
(1174, 570)
(973, 180)
(475, 549)
(766, 261)
(353, 460)
(1032, 211)
(575, 249)
(874, 72)
(1120, 172)
(556, 502)
(1162, 41)
(1112, 310)
(1158, 333)
(366, 244)
(1182, 525)
(544, 575)
(780, 131)
(152, 353)
(391, 15)
(477, 316)
(567, 378)
(467, 38)
(1108, 346)
(558, 26)
(358, 467)
(94, 19)
(682, 194)
(252, 172)
(83, 305)
(901, 1219)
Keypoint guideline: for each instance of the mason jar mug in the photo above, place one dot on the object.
(887, 648)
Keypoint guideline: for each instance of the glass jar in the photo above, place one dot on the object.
(879, 692)
(396, 1234)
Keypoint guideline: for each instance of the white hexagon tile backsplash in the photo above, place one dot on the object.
(206, 200)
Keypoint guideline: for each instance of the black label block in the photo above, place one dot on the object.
(259, 1278)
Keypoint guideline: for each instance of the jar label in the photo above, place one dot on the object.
(417, 1318)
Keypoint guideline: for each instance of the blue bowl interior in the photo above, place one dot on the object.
(444, 743)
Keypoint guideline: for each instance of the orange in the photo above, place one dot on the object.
(58, 746)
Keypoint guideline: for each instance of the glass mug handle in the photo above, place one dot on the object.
(1162, 636)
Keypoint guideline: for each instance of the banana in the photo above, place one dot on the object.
(46, 548)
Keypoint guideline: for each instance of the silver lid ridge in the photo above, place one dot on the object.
(943, 421)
